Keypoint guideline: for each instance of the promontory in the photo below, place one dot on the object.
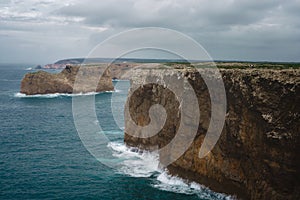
(257, 153)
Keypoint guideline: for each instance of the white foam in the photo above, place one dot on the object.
(146, 164)
(175, 184)
(135, 164)
(54, 95)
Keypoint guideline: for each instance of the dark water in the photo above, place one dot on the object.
(42, 156)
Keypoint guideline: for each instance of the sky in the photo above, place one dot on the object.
(45, 31)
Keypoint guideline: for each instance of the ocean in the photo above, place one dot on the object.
(42, 156)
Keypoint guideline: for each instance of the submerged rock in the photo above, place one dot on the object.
(42, 82)
(257, 154)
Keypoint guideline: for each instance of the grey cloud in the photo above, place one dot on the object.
(229, 29)
(140, 13)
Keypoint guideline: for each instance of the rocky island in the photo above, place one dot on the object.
(257, 154)
(42, 82)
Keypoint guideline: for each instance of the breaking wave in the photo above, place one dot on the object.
(146, 164)
(55, 95)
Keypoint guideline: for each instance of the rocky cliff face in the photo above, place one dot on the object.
(257, 154)
(42, 82)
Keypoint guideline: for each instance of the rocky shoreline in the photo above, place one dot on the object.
(256, 156)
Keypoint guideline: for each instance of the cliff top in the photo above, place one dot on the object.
(239, 65)
(289, 75)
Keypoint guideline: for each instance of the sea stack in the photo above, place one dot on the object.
(42, 82)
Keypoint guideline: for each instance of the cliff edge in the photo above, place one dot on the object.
(257, 154)
(42, 82)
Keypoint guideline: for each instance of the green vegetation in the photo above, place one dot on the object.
(236, 65)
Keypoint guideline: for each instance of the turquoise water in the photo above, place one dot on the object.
(42, 156)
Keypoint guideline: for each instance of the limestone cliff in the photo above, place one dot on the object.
(42, 82)
(257, 155)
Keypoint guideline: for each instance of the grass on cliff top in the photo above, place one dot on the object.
(258, 65)
(236, 65)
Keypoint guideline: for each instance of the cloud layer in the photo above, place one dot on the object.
(47, 30)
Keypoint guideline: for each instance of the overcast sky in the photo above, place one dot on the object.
(44, 31)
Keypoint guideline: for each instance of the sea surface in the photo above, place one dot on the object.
(42, 156)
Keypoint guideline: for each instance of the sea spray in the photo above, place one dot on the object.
(143, 164)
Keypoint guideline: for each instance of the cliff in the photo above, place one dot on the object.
(256, 156)
(42, 82)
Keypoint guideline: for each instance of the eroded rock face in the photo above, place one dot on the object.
(42, 82)
(257, 155)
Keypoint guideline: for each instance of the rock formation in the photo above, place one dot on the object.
(257, 155)
(42, 82)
